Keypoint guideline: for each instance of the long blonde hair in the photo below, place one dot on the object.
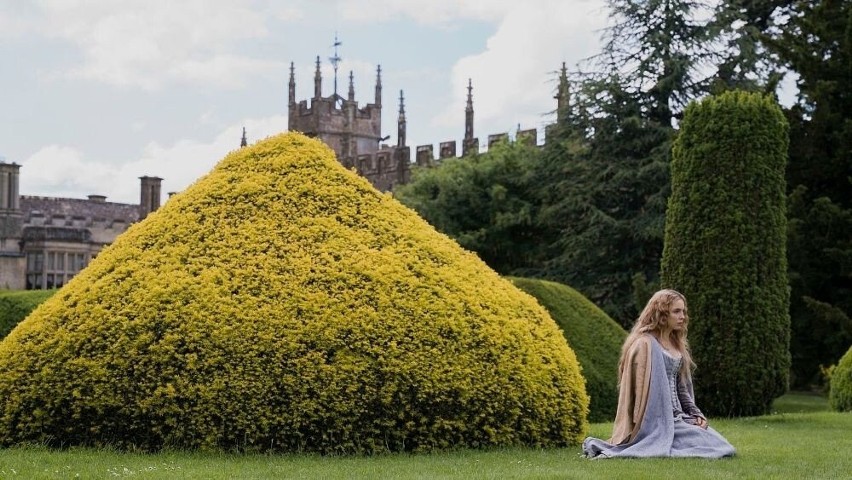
(653, 317)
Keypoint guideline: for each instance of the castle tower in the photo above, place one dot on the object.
(400, 122)
(348, 129)
(470, 143)
(149, 200)
(352, 131)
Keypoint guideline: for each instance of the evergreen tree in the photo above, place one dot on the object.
(604, 182)
(484, 202)
(725, 249)
(817, 45)
(739, 29)
(658, 48)
(603, 186)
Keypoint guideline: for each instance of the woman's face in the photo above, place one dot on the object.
(677, 315)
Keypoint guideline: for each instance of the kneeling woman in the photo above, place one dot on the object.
(657, 415)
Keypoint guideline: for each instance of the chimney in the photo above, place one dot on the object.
(149, 196)
(9, 182)
(97, 198)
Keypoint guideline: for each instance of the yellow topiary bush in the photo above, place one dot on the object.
(594, 337)
(840, 391)
(281, 303)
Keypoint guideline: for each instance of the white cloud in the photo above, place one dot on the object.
(137, 43)
(429, 12)
(185, 161)
(513, 79)
(16, 19)
(63, 172)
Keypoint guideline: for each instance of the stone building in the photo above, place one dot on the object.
(355, 133)
(44, 241)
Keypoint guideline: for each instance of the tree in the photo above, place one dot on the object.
(817, 45)
(603, 186)
(725, 249)
(739, 29)
(485, 202)
(604, 181)
(658, 48)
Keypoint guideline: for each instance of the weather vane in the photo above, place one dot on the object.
(335, 61)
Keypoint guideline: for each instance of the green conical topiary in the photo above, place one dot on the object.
(594, 337)
(281, 303)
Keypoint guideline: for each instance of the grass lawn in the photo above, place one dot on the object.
(801, 440)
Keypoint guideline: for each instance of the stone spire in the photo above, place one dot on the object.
(470, 144)
(351, 86)
(400, 135)
(379, 86)
(244, 140)
(292, 97)
(562, 95)
(468, 112)
(318, 81)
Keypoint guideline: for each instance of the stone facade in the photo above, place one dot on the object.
(44, 241)
(353, 132)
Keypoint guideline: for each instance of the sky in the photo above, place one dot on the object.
(96, 93)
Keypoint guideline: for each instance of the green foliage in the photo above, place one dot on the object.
(606, 196)
(740, 29)
(484, 202)
(840, 395)
(15, 305)
(725, 249)
(817, 44)
(281, 303)
(657, 48)
(595, 338)
(819, 244)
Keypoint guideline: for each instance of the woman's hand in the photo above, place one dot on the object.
(701, 422)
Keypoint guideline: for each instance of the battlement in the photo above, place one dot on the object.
(329, 106)
(391, 166)
(385, 169)
(425, 154)
(355, 134)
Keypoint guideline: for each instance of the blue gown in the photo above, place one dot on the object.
(665, 430)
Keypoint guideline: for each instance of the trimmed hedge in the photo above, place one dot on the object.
(282, 304)
(840, 394)
(15, 305)
(725, 249)
(591, 333)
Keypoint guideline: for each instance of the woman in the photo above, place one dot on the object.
(656, 415)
